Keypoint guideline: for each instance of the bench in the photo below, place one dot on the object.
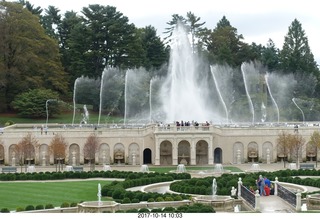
(77, 169)
(305, 166)
(9, 169)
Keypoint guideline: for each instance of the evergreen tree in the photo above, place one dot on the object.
(296, 55)
(225, 45)
(270, 56)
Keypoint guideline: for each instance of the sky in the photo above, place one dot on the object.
(257, 20)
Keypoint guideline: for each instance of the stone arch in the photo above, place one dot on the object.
(133, 154)
(74, 155)
(166, 153)
(44, 156)
(253, 152)
(238, 150)
(267, 149)
(13, 156)
(202, 152)
(311, 152)
(184, 152)
(119, 153)
(217, 155)
(104, 154)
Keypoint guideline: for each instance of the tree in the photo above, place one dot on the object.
(290, 144)
(315, 143)
(33, 103)
(270, 56)
(296, 55)
(90, 149)
(57, 148)
(156, 54)
(25, 149)
(283, 146)
(176, 20)
(30, 59)
(225, 46)
(195, 28)
(296, 146)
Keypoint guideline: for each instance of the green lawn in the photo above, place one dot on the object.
(21, 194)
(167, 169)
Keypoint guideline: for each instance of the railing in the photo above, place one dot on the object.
(248, 196)
(173, 128)
(287, 195)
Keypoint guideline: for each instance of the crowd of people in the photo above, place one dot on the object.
(264, 186)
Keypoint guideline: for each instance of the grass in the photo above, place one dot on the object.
(21, 194)
(168, 169)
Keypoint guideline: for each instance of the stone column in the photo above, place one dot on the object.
(210, 151)
(175, 153)
(157, 151)
(193, 153)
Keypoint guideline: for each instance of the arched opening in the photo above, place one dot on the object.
(147, 156)
(217, 155)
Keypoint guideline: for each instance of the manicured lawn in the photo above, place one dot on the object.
(21, 194)
(167, 169)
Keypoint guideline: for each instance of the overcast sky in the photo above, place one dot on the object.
(256, 20)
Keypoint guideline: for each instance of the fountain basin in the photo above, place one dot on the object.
(219, 203)
(98, 207)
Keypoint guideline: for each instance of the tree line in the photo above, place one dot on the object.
(44, 49)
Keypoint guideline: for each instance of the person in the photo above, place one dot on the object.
(267, 182)
(271, 190)
(261, 185)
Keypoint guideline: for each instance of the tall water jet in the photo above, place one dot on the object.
(272, 98)
(213, 72)
(137, 96)
(293, 100)
(150, 101)
(184, 94)
(101, 92)
(247, 91)
(74, 99)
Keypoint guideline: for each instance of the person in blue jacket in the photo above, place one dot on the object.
(267, 182)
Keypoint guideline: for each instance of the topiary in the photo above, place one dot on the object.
(39, 207)
(65, 205)
(4, 210)
(49, 206)
(29, 208)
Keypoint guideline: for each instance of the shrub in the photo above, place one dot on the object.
(29, 208)
(39, 207)
(177, 198)
(49, 206)
(159, 199)
(135, 200)
(65, 205)
(132, 211)
(126, 200)
(4, 210)
(144, 210)
(73, 204)
(18, 209)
